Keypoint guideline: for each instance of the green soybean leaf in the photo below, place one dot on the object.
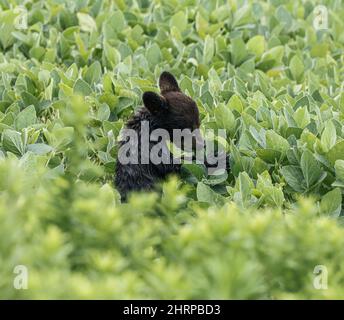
(93, 73)
(271, 58)
(329, 136)
(103, 112)
(269, 155)
(39, 148)
(225, 118)
(209, 49)
(86, 22)
(13, 141)
(153, 55)
(256, 45)
(276, 142)
(26, 118)
(310, 168)
(206, 194)
(331, 203)
(296, 67)
(242, 16)
(302, 117)
(29, 99)
(196, 170)
(238, 51)
(293, 176)
(336, 152)
(216, 178)
(118, 21)
(245, 185)
(339, 167)
(112, 55)
(82, 87)
(179, 21)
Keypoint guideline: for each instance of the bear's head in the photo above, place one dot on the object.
(172, 109)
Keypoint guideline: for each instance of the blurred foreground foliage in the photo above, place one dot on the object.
(78, 241)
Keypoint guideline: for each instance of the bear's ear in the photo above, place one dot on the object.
(153, 102)
(167, 82)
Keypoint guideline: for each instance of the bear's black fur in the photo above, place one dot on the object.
(170, 110)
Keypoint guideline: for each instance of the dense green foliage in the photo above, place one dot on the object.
(261, 70)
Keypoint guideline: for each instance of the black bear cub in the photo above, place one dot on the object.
(170, 110)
